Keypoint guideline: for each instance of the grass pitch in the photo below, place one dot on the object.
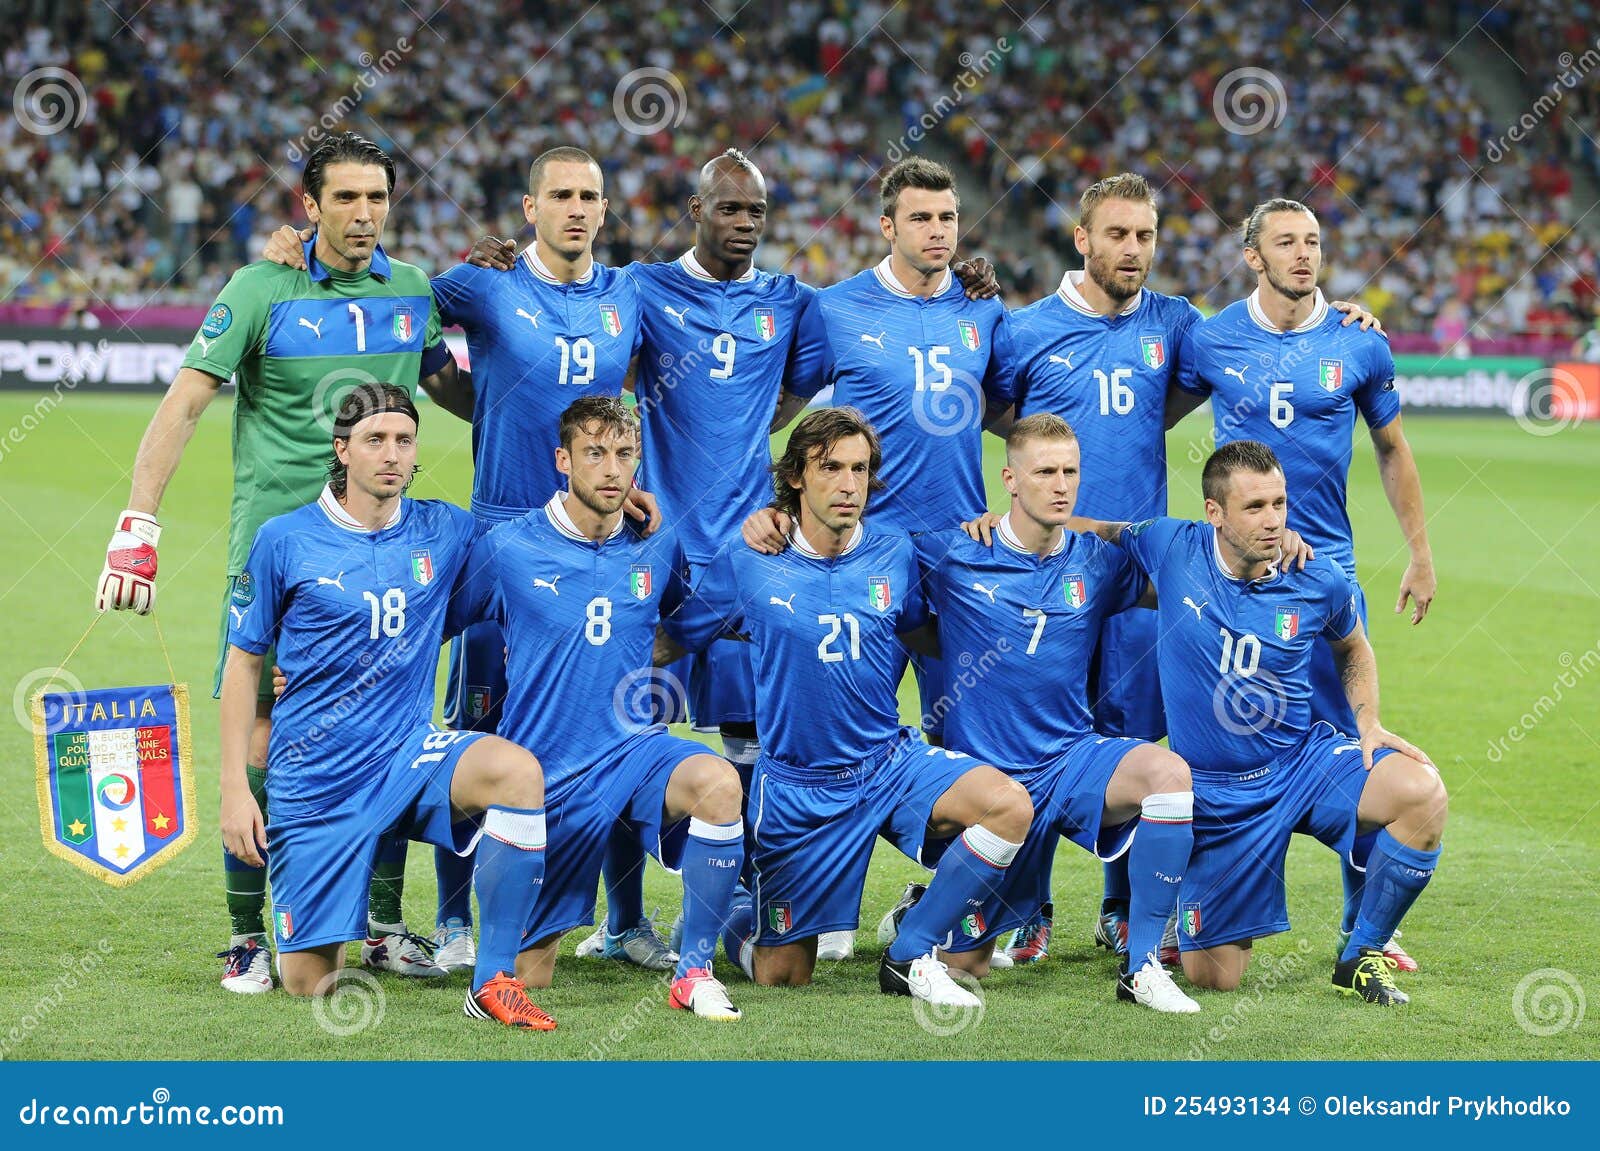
(1500, 686)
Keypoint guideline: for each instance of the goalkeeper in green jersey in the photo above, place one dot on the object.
(295, 342)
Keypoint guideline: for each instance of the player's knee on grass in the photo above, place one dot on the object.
(788, 966)
(706, 787)
(1410, 800)
(312, 972)
(975, 962)
(1217, 968)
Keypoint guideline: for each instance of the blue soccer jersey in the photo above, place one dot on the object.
(824, 632)
(356, 617)
(1016, 627)
(923, 370)
(1298, 392)
(717, 355)
(536, 345)
(579, 620)
(1108, 377)
(1236, 654)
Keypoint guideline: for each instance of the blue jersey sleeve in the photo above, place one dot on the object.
(457, 293)
(1149, 542)
(1341, 607)
(476, 594)
(1000, 381)
(1376, 398)
(1123, 576)
(810, 357)
(713, 607)
(257, 604)
(1190, 352)
(930, 553)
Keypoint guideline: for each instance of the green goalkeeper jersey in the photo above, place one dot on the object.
(295, 343)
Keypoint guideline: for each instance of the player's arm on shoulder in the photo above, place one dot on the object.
(1402, 484)
(1108, 530)
(493, 253)
(1355, 314)
(287, 246)
(977, 278)
(1358, 672)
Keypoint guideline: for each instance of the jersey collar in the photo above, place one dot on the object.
(1222, 565)
(1319, 312)
(1008, 537)
(334, 510)
(539, 268)
(889, 280)
(695, 268)
(1073, 297)
(797, 540)
(378, 266)
(557, 511)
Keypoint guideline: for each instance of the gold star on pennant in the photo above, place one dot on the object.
(76, 828)
(160, 822)
(119, 824)
(121, 851)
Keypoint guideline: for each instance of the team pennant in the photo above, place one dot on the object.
(116, 789)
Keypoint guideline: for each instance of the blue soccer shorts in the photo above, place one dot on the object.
(722, 685)
(320, 856)
(1233, 890)
(814, 830)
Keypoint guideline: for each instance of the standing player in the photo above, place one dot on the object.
(578, 595)
(352, 592)
(1238, 638)
(295, 341)
(837, 770)
(1026, 614)
(1280, 369)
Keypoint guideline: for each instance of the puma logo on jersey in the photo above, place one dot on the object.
(878, 339)
(1066, 359)
(1197, 606)
(205, 345)
(238, 615)
(337, 581)
(1237, 372)
(533, 319)
(549, 583)
(988, 591)
(788, 603)
(316, 327)
(675, 313)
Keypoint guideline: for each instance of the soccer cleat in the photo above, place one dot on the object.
(1402, 959)
(1371, 976)
(889, 925)
(923, 978)
(1151, 986)
(454, 949)
(700, 992)
(403, 952)
(1000, 961)
(593, 947)
(641, 946)
(1031, 942)
(504, 999)
(1170, 955)
(1111, 932)
(836, 945)
(249, 967)
(675, 936)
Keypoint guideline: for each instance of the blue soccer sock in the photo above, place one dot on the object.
(1156, 862)
(508, 874)
(1396, 875)
(739, 930)
(624, 876)
(1118, 890)
(711, 862)
(971, 868)
(742, 752)
(1355, 879)
(454, 873)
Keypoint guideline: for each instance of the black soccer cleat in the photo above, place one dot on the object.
(1369, 975)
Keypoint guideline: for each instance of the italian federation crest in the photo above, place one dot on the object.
(639, 581)
(404, 325)
(611, 320)
(878, 594)
(1072, 587)
(116, 793)
(766, 325)
(969, 334)
(422, 568)
(1286, 625)
(1191, 920)
(1330, 374)
(1154, 350)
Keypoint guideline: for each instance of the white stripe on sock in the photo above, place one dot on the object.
(518, 827)
(988, 846)
(716, 832)
(1168, 805)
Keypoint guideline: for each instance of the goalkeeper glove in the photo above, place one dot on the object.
(129, 578)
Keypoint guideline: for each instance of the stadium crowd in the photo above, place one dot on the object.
(188, 149)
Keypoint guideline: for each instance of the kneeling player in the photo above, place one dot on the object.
(836, 768)
(1237, 641)
(353, 591)
(579, 594)
(1019, 622)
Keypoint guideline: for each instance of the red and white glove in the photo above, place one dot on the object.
(129, 578)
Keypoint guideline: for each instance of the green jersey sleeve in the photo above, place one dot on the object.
(235, 326)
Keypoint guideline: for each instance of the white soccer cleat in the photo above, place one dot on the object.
(923, 978)
(1000, 961)
(1152, 986)
(391, 947)
(453, 947)
(699, 991)
(836, 945)
(249, 967)
(593, 947)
